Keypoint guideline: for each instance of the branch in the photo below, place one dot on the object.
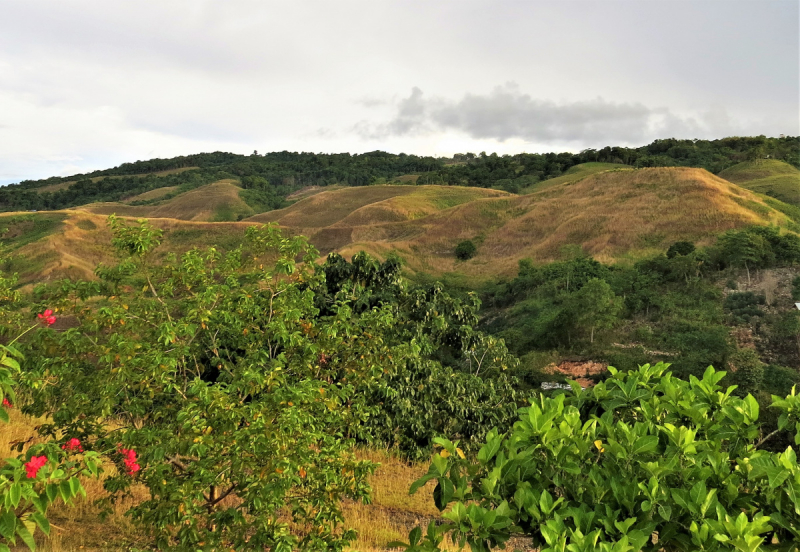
(223, 495)
(769, 436)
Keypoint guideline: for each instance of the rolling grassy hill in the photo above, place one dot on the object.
(613, 214)
(214, 202)
(573, 174)
(767, 176)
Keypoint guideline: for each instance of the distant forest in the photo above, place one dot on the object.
(273, 176)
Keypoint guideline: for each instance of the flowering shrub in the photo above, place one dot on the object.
(47, 317)
(217, 385)
(49, 474)
(73, 445)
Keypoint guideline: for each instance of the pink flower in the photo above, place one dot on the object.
(7, 403)
(73, 445)
(36, 463)
(129, 460)
(47, 317)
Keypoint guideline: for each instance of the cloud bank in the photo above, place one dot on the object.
(507, 113)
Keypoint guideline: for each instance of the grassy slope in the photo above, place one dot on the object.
(217, 201)
(152, 194)
(767, 176)
(574, 174)
(613, 215)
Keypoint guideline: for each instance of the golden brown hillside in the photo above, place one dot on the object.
(217, 201)
(612, 215)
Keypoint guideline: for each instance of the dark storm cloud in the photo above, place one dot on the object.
(507, 113)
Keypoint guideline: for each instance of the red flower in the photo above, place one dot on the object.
(47, 317)
(73, 445)
(7, 403)
(36, 463)
(129, 460)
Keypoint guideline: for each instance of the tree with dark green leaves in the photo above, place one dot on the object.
(465, 250)
(594, 307)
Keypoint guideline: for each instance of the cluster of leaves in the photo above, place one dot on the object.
(465, 250)
(643, 461)
(512, 172)
(744, 306)
(458, 384)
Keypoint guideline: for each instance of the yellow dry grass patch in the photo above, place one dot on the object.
(329, 207)
(611, 215)
(84, 241)
(152, 194)
(201, 204)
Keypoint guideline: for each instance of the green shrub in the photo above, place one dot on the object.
(680, 248)
(608, 468)
(465, 250)
(744, 306)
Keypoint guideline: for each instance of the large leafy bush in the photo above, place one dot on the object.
(642, 461)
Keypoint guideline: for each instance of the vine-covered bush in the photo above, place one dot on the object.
(642, 461)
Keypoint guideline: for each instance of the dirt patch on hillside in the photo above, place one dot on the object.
(580, 371)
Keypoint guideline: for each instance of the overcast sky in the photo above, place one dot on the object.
(86, 85)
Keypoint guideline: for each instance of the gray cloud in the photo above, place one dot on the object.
(507, 113)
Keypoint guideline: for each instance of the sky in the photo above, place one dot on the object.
(87, 85)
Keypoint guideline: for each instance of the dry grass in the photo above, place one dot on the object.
(612, 214)
(308, 191)
(392, 514)
(152, 194)
(79, 526)
(201, 204)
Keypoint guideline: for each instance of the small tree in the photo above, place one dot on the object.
(742, 249)
(680, 248)
(218, 372)
(465, 250)
(594, 306)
